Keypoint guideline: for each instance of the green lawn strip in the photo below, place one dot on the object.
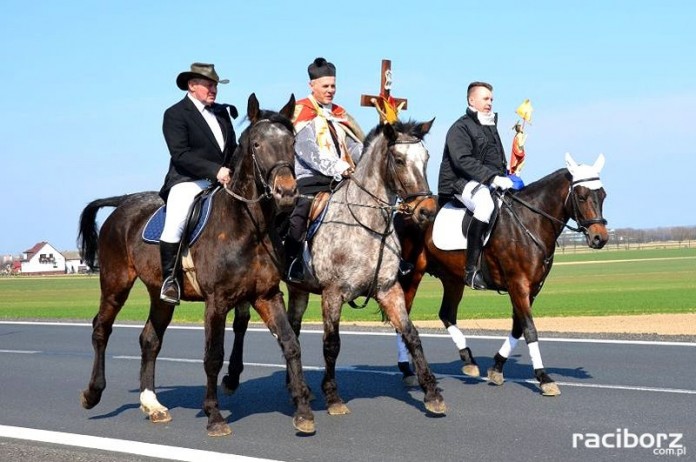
(632, 282)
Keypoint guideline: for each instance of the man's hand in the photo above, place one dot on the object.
(502, 182)
(223, 176)
(347, 172)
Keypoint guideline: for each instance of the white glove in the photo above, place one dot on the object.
(502, 182)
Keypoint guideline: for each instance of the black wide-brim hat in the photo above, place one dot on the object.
(198, 70)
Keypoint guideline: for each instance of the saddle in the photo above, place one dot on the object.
(450, 222)
(197, 218)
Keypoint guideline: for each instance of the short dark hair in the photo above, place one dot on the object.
(473, 85)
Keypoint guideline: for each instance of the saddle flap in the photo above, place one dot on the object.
(450, 222)
(318, 205)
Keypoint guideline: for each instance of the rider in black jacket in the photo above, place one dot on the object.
(474, 161)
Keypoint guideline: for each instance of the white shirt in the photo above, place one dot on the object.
(211, 120)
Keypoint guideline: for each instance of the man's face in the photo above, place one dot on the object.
(323, 89)
(481, 99)
(203, 90)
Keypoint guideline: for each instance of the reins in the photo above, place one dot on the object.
(582, 224)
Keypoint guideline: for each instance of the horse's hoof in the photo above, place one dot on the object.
(471, 370)
(495, 377)
(86, 402)
(436, 407)
(227, 386)
(219, 429)
(410, 381)
(303, 425)
(550, 389)
(160, 416)
(338, 409)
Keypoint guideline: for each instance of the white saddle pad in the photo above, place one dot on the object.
(447, 229)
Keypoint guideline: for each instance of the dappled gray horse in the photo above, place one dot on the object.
(355, 252)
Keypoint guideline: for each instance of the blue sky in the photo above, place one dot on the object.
(85, 85)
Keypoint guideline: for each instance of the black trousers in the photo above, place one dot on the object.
(297, 223)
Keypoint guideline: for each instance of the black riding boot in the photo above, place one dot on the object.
(294, 267)
(474, 246)
(170, 293)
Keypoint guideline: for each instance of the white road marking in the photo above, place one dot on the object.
(122, 446)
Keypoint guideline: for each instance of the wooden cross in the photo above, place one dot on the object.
(384, 90)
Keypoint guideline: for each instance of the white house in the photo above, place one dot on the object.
(43, 258)
(73, 262)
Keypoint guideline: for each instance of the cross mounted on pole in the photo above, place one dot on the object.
(387, 106)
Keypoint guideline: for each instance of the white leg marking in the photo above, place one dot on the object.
(457, 337)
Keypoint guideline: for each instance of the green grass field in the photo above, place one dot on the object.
(589, 284)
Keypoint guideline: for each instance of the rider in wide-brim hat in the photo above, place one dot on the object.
(198, 70)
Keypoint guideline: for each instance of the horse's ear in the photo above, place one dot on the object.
(599, 163)
(425, 127)
(570, 162)
(253, 108)
(289, 109)
(389, 132)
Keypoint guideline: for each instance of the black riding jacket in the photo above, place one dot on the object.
(472, 152)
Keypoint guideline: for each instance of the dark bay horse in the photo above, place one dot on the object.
(517, 258)
(236, 261)
(356, 253)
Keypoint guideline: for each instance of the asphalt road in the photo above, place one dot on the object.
(636, 390)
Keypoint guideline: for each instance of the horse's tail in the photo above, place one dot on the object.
(88, 236)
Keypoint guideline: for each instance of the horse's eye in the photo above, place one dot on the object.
(256, 144)
(399, 161)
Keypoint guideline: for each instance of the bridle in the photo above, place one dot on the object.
(388, 210)
(583, 224)
(572, 196)
(263, 178)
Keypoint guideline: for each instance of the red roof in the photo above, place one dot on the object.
(36, 248)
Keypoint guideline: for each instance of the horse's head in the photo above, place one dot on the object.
(270, 140)
(407, 160)
(586, 198)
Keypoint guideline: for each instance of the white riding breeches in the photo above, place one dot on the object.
(178, 203)
(480, 202)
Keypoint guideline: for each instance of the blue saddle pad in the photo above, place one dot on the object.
(155, 225)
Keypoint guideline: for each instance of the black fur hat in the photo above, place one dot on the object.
(321, 68)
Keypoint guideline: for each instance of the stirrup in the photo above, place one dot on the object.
(166, 294)
(296, 270)
(475, 280)
(405, 267)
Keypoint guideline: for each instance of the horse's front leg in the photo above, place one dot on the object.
(230, 382)
(151, 339)
(391, 301)
(215, 317)
(272, 312)
(523, 324)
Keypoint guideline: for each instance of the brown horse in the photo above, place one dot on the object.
(236, 261)
(355, 252)
(517, 258)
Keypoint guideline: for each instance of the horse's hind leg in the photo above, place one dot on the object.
(151, 339)
(452, 295)
(392, 303)
(230, 382)
(272, 311)
(114, 291)
(331, 312)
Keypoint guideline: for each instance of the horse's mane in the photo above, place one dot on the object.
(536, 188)
(410, 127)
